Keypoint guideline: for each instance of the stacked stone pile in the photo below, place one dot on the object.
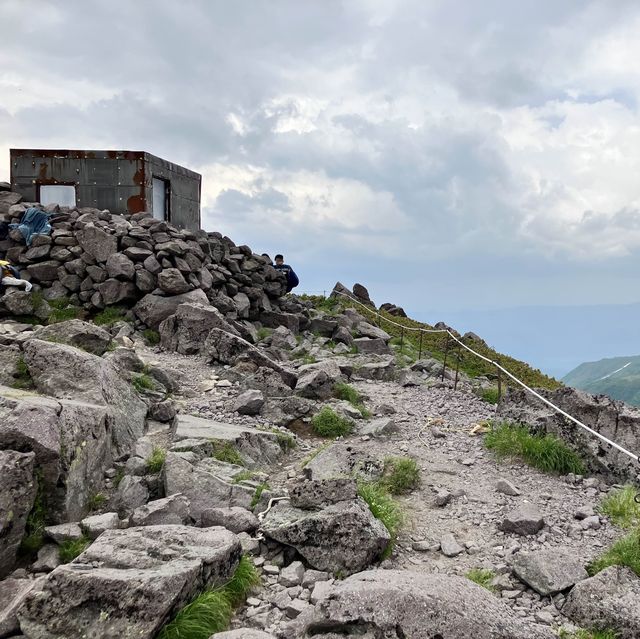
(96, 259)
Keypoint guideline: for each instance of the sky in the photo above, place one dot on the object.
(450, 156)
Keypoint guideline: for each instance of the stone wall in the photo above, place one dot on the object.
(96, 259)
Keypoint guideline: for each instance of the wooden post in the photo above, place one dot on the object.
(401, 339)
(499, 383)
(444, 363)
(420, 347)
(458, 359)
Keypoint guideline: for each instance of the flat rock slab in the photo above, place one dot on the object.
(13, 592)
(610, 599)
(344, 460)
(394, 603)
(549, 571)
(311, 494)
(342, 537)
(129, 583)
(257, 447)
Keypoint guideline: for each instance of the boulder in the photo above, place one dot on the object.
(171, 281)
(343, 335)
(526, 519)
(169, 510)
(384, 370)
(154, 309)
(317, 381)
(364, 329)
(13, 592)
(97, 243)
(323, 327)
(235, 519)
(342, 537)
(283, 338)
(309, 494)
(273, 319)
(187, 330)
(95, 525)
(88, 337)
(549, 571)
(62, 371)
(48, 559)
(249, 403)
(369, 346)
(120, 267)
(609, 600)
(268, 381)
(64, 532)
(129, 583)
(16, 500)
(132, 493)
(403, 603)
(344, 460)
(377, 427)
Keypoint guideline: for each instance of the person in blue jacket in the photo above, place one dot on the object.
(292, 278)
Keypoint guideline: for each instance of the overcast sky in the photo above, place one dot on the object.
(445, 154)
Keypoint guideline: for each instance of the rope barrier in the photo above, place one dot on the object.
(500, 368)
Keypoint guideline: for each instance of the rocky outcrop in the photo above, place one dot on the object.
(128, 583)
(344, 460)
(83, 335)
(393, 603)
(611, 418)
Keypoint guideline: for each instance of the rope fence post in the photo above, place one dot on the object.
(458, 358)
(499, 381)
(444, 363)
(401, 339)
(420, 346)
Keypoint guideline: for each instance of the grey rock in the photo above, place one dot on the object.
(591, 523)
(524, 520)
(98, 243)
(443, 497)
(370, 346)
(584, 511)
(120, 266)
(384, 370)
(283, 338)
(242, 304)
(154, 309)
(295, 608)
(377, 427)
(16, 500)
(163, 411)
(311, 494)
(344, 460)
(292, 575)
(94, 525)
(48, 559)
(391, 603)
(549, 571)
(84, 335)
(312, 577)
(235, 519)
(364, 329)
(64, 532)
(242, 633)
(450, 546)
(172, 510)
(507, 488)
(249, 403)
(317, 381)
(320, 590)
(610, 599)
(171, 281)
(132, 493)
(13, 592)
(152, 265)
(343, 335)
(136, 579)
(343, 536)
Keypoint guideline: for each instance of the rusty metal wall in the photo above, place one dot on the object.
(116, 180)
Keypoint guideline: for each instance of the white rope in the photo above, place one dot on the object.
(504, 370)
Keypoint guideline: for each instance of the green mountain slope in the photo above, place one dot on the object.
(617, 377)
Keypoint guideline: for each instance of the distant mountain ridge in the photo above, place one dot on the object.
(617, 377)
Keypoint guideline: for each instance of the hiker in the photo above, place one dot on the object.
(292, 278)
(10, 276)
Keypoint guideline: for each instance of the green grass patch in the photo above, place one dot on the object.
(329, 305)
(69, 549)
(625, 552)
(382, 507)
(22, 376)
(96, 501)
(142, 382)
(58, 315)
(258, 493)
(305, 358)
(33, 538)
(245, 475)
(588, 634)
(286, 442)
(110, 315)
(225, 452)
(348, 393)
(546, 452)
(59, 303)
(119, 476)
(482, 577)
(489, 395)
(211, 611)
(264, 332)
(401, 475)
(327, 423)
(151, 337)
(621, 507)
(156, 460)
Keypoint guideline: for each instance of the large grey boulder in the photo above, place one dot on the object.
(609, 600)
(383, 370)
(97, 243)
(344, 460)
(221, 346)
(342, 537)
(84, 335)
(394, 603)
(187, 330)
(16, 500)
(364, 329)
(249, 403)
(171, 281)
(154, 309)
(235, 519)
(549, 571)
(13, 592)
(173, 509)
(120, 267)
(369, 346)
(64, 372)
(317, 381)
(129, 583)
(526, 519)
(309, 494)
(283, 338)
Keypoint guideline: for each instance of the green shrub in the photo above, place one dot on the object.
(327, 423)
(286, 442)
(621, 507)
(22, 376)
(96, 501)
(482, 577)
(151, 337)
(258, 493)
(384, 508)
(71, 548)
(245, 475)
(625, 552)
(225, 452)
(119, 476)
(348, 393)
(156, 461)
(110, 315)
(489, 395)
(546, 452)
(264, 332)
(401, 475)
(142, 382)
(33, 538)
(210, 612)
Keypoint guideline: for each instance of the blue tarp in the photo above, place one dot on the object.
(34, 222)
